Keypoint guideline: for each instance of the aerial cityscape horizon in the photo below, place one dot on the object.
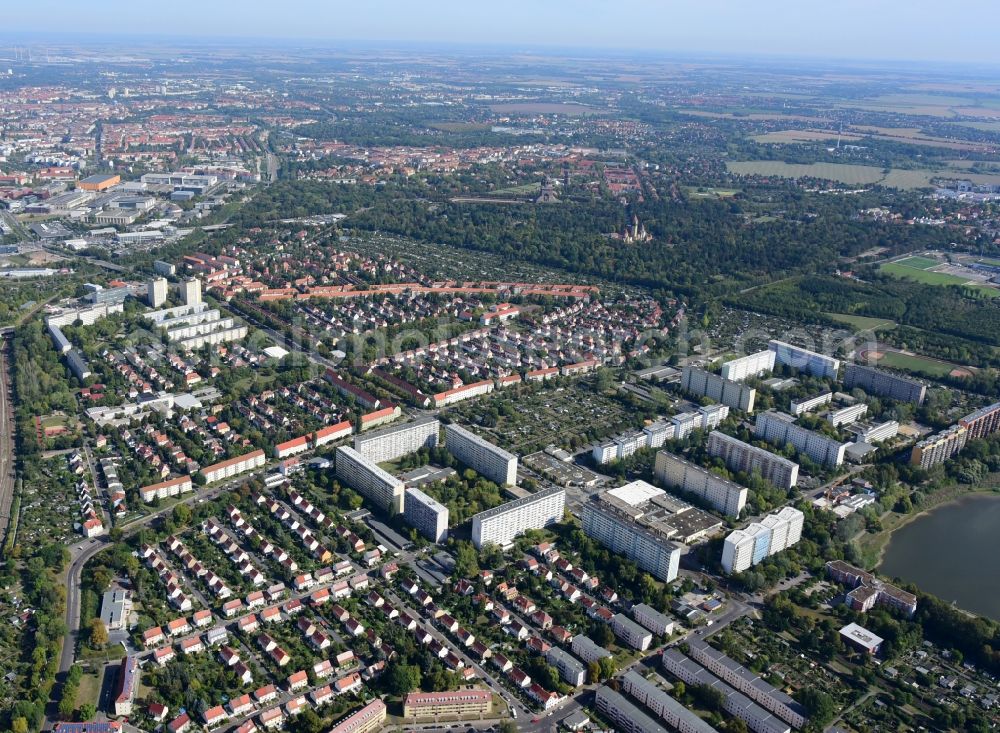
(546, 366)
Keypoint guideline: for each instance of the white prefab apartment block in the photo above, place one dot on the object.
(726, 496)
(662, 704)
(801, 407)
(191, 291)
(737, 552)
(744, 548)
(652, 619)
(502, 524)
(585, 648)
(391, 443)
(234, 466)
(483, 457)
(572, 671)
(847, 415)
(636, 636)
(427, 515)
(779, 429)
(804, 360)
(735, 395)
(615, 518)
(740, 456)
(752, 365)
(364, 476)
(156, 292)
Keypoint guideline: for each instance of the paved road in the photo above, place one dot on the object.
(7, 477)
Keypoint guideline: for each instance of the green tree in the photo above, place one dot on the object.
(98, 633)
(20, 725)
(819, 706)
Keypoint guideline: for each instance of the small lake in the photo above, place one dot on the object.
(952, 552)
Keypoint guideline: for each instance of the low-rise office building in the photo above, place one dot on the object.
(867, 591)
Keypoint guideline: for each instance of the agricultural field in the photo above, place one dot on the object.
(545, 108)
(853, 175)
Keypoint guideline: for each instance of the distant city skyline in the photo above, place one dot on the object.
(916, 30)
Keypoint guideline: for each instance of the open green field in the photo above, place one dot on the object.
(863, 323)
(920, 263)
(852, 175)
(916, 363)
(706, 192)
(988, 261)
(527, 188)
(898, 269)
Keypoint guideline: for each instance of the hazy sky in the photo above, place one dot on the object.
(960, 30)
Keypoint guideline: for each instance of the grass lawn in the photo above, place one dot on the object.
(863, 323)
(899, 270)
(90, 688)
(703, 192)
(988, 261)
(916, 363)
(921, 263)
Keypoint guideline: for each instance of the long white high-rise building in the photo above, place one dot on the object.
(394, 442)
(726, 496)
(480, 455)
(752, 365)
(734, 395)
(500, 525)
(804, 360)
(740, 456)
(366, 477)
(779, 429)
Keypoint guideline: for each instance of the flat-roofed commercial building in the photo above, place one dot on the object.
(663, 705)
(740, 456)
(752, 365)
(884, 384)
(366, 477)
(99, 182)
(804, 360)
(500, 525)
(571, 670)
(625, 716)
(778, 429)
(726, 496)
(471, 702)
(480, 455)
(116, 605)
(391, 443)
(734, 395)
(426, 514)
(635, 520)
